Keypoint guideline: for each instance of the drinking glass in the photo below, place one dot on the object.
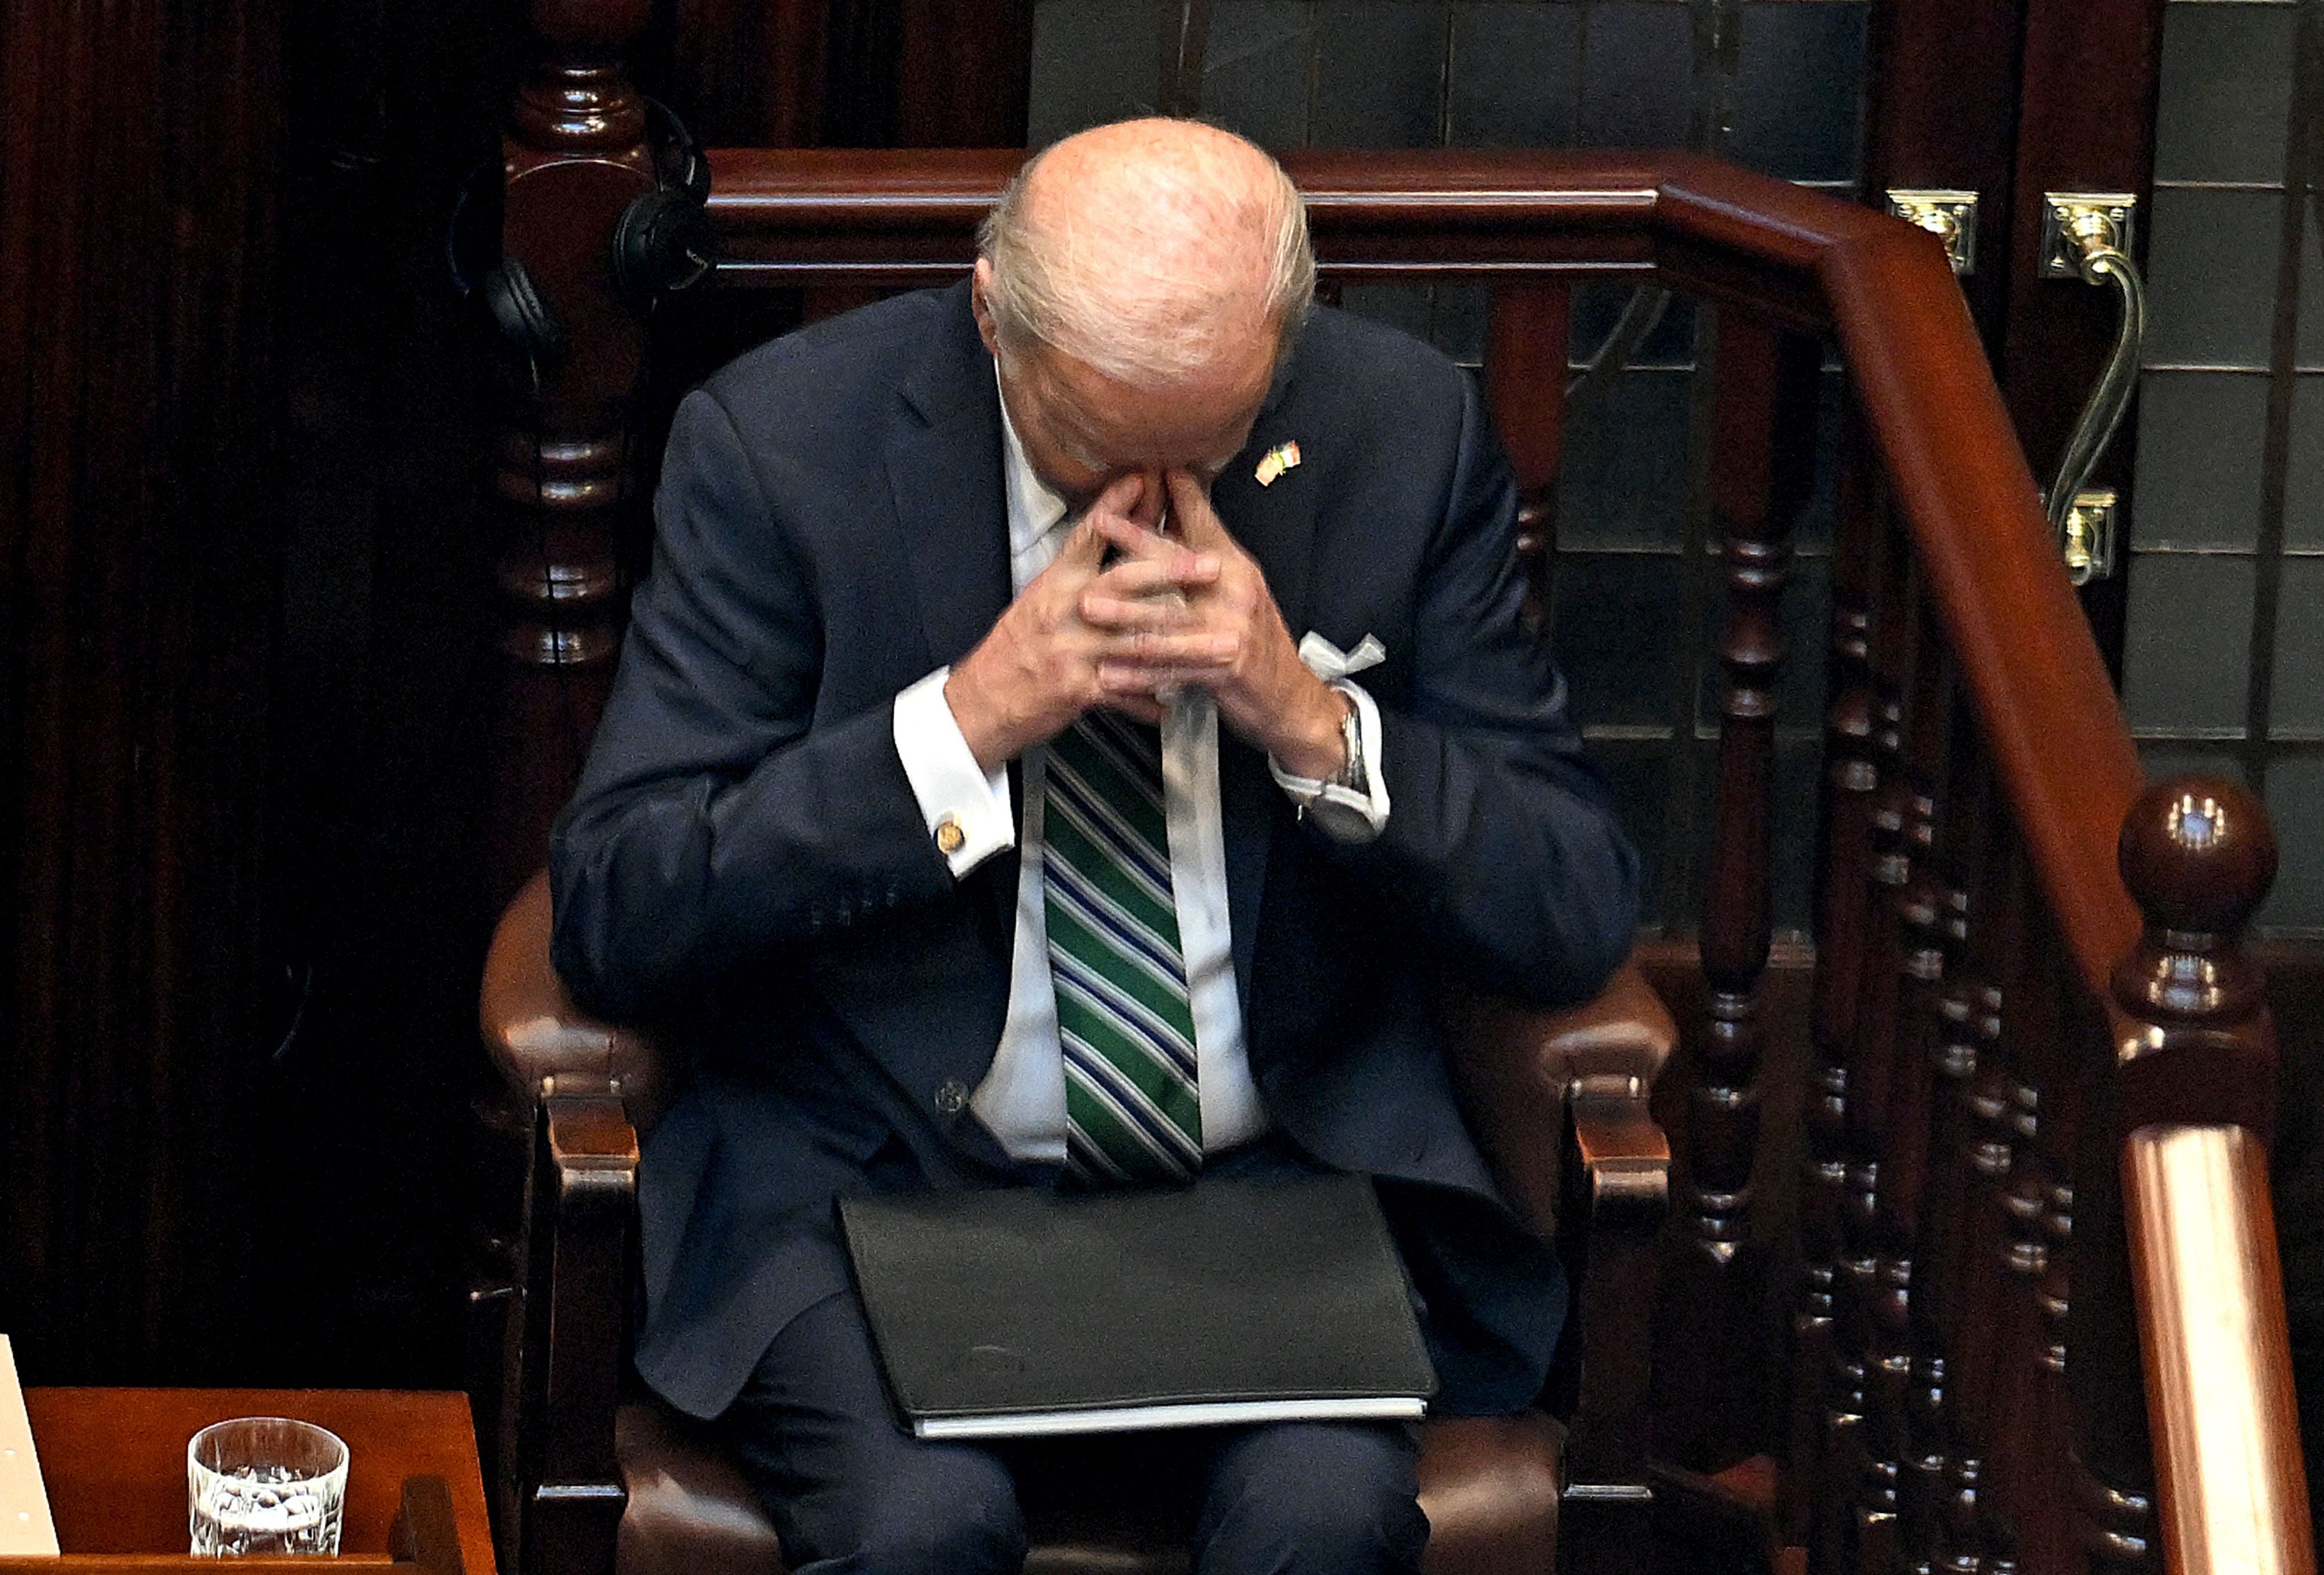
(265, 1485)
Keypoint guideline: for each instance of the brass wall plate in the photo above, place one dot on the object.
(2086, 541)
(2060, 256)
(1950, 216)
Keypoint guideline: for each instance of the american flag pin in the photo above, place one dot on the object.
(1283, 456)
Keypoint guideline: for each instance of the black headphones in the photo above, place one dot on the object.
(663, 242)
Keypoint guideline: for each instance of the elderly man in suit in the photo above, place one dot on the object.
(1074, 722)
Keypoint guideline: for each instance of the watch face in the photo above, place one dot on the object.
(1341, 821)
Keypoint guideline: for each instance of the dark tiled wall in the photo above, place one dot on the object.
(2224, 651)
(1776, 81)
(1773, 83)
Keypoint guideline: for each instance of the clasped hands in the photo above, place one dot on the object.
(1169, 613)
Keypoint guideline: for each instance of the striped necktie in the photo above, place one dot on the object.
(1133, 1113)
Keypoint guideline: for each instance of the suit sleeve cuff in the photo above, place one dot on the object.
(965, 809)
(1353, 814)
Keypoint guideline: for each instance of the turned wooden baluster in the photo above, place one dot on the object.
(2006, 1400)
(1984, 1262)
(1952, 888)
(574, 156)
(1843, 894)
(1855, 1471)
(1955, 1245)
(1525, 388)
(1897, 1025)
(1903, 1029)
(1764, 400)
(1930, 911)
(2196, 1052)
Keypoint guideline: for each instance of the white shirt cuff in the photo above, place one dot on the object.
(1371, 803)
(966, 809)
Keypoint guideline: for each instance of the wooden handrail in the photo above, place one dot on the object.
(2217, 1352)
(1881, 286)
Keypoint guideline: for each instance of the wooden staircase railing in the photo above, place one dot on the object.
(2039, 1096)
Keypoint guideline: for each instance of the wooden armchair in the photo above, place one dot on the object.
(604, 1478)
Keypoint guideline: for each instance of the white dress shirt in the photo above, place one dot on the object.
(1022, 1098)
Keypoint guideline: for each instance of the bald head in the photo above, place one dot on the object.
(1147, 250)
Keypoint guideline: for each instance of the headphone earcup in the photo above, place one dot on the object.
(679, 159)
(520, 314)
(663, 242)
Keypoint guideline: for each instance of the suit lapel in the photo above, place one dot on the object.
(1276, 524)
(945, 473)
(951, 518)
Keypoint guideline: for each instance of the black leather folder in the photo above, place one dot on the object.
(1019, 1313)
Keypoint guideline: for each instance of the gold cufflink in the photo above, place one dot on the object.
(1283, 456)
(949, 836)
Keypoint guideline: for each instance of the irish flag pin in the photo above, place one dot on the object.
(1283, 456)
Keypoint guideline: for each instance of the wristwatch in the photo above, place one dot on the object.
(1330, 806)
(1351, 774)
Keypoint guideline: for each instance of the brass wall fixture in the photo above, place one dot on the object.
(2086, 235)
(2086, 538)
(2078, 225)
(1947, 215)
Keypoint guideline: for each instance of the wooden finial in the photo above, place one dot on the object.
(2198, 856)
(2198, 853)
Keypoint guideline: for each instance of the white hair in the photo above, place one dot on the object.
(1116, 276)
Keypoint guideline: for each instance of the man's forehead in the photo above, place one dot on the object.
(1121, 426)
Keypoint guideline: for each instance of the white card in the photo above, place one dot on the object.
(25, 1526)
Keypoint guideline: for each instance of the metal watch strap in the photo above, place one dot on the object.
(1351, 774)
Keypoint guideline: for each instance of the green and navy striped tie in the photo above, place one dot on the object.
(1133, 1111)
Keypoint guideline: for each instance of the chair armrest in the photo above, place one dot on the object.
(1518, 1067)
(575, 1332)
(1619, 1171)
(542, 1042)
(584, 1083)
(1621, 1163)
(1521, 1072)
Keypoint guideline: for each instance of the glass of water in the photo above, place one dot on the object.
(265, 1485)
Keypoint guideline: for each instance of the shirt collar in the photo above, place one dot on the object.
(1035, 508)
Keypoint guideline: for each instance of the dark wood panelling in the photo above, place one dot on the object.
(2012, 99)
(2086, 122)
(738, 71)
(1941, 111)
(241, 586)
(847, 73)
(137, 524)
(384, 693)
(965, 73)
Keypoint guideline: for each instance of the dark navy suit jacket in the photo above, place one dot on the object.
(744, 860)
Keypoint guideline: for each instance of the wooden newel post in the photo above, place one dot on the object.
(2196, 1052)
(575, 157)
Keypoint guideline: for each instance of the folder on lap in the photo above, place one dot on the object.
(1019, 1313)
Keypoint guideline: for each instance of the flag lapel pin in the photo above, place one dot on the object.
(1283, 456)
